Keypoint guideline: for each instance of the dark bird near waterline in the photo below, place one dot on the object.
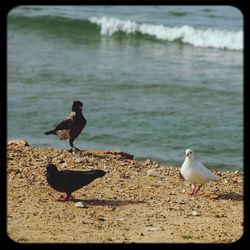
(72, 126)
(68, 181)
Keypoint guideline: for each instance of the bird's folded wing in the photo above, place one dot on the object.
(78, 179)
(203, 172)
(66, 124)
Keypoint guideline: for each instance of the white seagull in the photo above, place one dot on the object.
(195, 172)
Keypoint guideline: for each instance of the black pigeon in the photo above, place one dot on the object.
(68, 181)
(72, 126)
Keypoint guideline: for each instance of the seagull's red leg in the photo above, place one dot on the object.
(193, 190)
(197, 189)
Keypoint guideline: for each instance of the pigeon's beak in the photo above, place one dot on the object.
(189, 153)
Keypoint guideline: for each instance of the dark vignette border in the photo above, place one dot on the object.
(5, 7)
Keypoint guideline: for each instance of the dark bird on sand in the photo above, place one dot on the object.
(68, 181)
(72, 126)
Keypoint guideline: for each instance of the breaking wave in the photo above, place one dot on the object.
(214, 38)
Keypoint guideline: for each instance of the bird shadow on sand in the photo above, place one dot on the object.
(229, 196)
(96, 202)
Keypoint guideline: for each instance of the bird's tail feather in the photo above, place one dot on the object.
(50, 132)
(95, 173)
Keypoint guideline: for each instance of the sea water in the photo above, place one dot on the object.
(154, 80)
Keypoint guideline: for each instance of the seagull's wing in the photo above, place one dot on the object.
(203, 172)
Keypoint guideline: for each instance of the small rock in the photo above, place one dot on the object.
(100, 218)
(220, 215)
(22, 143)
(123, 175)
(121, 219)
(181, 202)
(19, 175)
(152, 172)
(172, 193)
(64, 164)
(152, 228)
(194, 213)
(126, 156)
(148, 162)
(112, 208)
(80, 204)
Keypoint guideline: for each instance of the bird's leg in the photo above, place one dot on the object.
(197, 189)
(67, 198)
(72, 146)
(193, 190)
(77, 149)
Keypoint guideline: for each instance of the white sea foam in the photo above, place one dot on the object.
(215, 38)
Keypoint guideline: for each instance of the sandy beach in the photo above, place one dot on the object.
(136, 201)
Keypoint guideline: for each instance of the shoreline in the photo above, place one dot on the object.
(136, 201)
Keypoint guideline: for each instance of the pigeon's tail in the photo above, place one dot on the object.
(98, 173)
(50, 132)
